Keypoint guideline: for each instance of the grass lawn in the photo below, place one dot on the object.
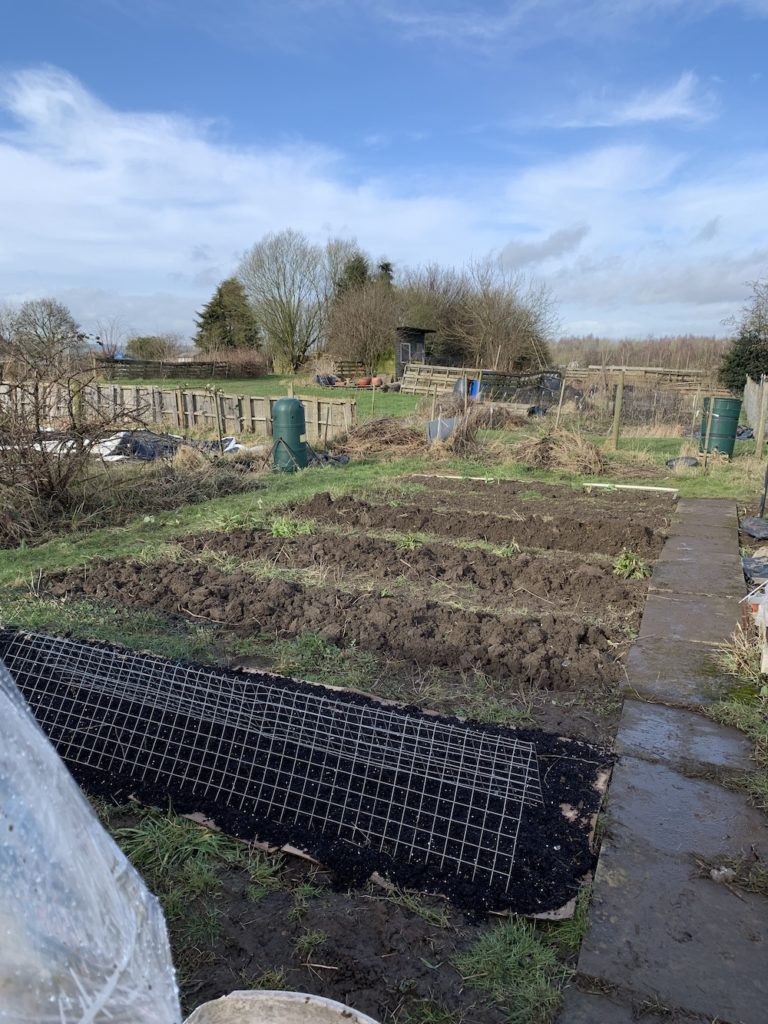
(369, 403)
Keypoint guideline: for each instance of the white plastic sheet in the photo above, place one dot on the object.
(82, 941)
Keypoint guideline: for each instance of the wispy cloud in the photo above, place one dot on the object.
(528, 22)
(684, 100)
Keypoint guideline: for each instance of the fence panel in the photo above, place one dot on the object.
(178, 409)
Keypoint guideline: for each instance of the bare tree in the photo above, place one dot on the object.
(41, 339)
(362, 322)
(110, 336)
(483, 315)
(162, 347)
(290, 284)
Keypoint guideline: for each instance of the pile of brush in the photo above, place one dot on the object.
(391, 434)
(565, 450)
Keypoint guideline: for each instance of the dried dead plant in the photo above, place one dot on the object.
(392, 435)
(566, 450)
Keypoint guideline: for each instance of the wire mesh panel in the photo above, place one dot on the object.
(415, 788)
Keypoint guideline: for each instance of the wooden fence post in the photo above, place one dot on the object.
(760, 436)
(614, 441)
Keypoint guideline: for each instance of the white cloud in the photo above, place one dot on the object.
(140, 214)
(685, 100)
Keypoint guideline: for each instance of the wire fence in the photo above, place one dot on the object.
(416, 788)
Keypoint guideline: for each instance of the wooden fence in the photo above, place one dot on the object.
(209, 411)
(422, 379)
(154, 369)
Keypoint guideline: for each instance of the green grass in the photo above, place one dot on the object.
(438, 916)
(87, 620)
(385, 403)
(308, 943)
(291, 526)
(568, 935)
(513, 967)
(430, 1011)
(300, 898)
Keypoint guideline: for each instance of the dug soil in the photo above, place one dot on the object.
(609, 533)
(566, 584)
(550, 652)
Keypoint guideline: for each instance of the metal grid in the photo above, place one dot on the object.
(419, 790)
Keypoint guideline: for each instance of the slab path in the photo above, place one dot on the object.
(665, 942)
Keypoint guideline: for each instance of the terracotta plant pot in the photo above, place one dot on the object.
(376, 382)
(364, 382)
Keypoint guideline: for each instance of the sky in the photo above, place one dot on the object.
(616, 150)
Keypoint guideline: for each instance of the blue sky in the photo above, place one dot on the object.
(615, 149)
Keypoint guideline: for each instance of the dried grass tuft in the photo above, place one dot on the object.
(188, 459)
(563, 450)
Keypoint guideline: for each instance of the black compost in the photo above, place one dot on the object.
(492, 818)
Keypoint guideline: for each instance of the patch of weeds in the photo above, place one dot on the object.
(439, 916)
(740, 657)
(513, 548)
(516, 969)
(410, 541)
(630, 566)
(744, 872)
(273, 980)
(308, 943)
(88, 620)
(291, 526)
(301, 896)
(478, 701)
(430, 1011)
(180, 862)
(311, 656)
(568, 935)
(264, 873)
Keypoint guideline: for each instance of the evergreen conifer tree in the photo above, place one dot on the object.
(748, 355)
(227, 321)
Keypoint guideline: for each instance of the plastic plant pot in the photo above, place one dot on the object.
(263, 1007)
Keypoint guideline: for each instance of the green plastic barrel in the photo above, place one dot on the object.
(288, 430)
(725, 420)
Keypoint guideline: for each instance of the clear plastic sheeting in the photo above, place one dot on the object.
(82, 941)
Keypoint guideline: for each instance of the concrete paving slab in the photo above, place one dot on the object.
(654, 805)
(669, 935)
(716, 573)
(707, 508)
(672, 617)
(680, 738)
(716, 541)
(595, 1008)
(679, 673)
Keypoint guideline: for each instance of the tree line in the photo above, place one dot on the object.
(292, 298)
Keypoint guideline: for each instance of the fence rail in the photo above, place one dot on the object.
(182, 409)
(423, 379)
(157, 369)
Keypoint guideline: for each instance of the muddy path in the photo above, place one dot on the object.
(552, 652)
(588, 535)
(568, 584)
